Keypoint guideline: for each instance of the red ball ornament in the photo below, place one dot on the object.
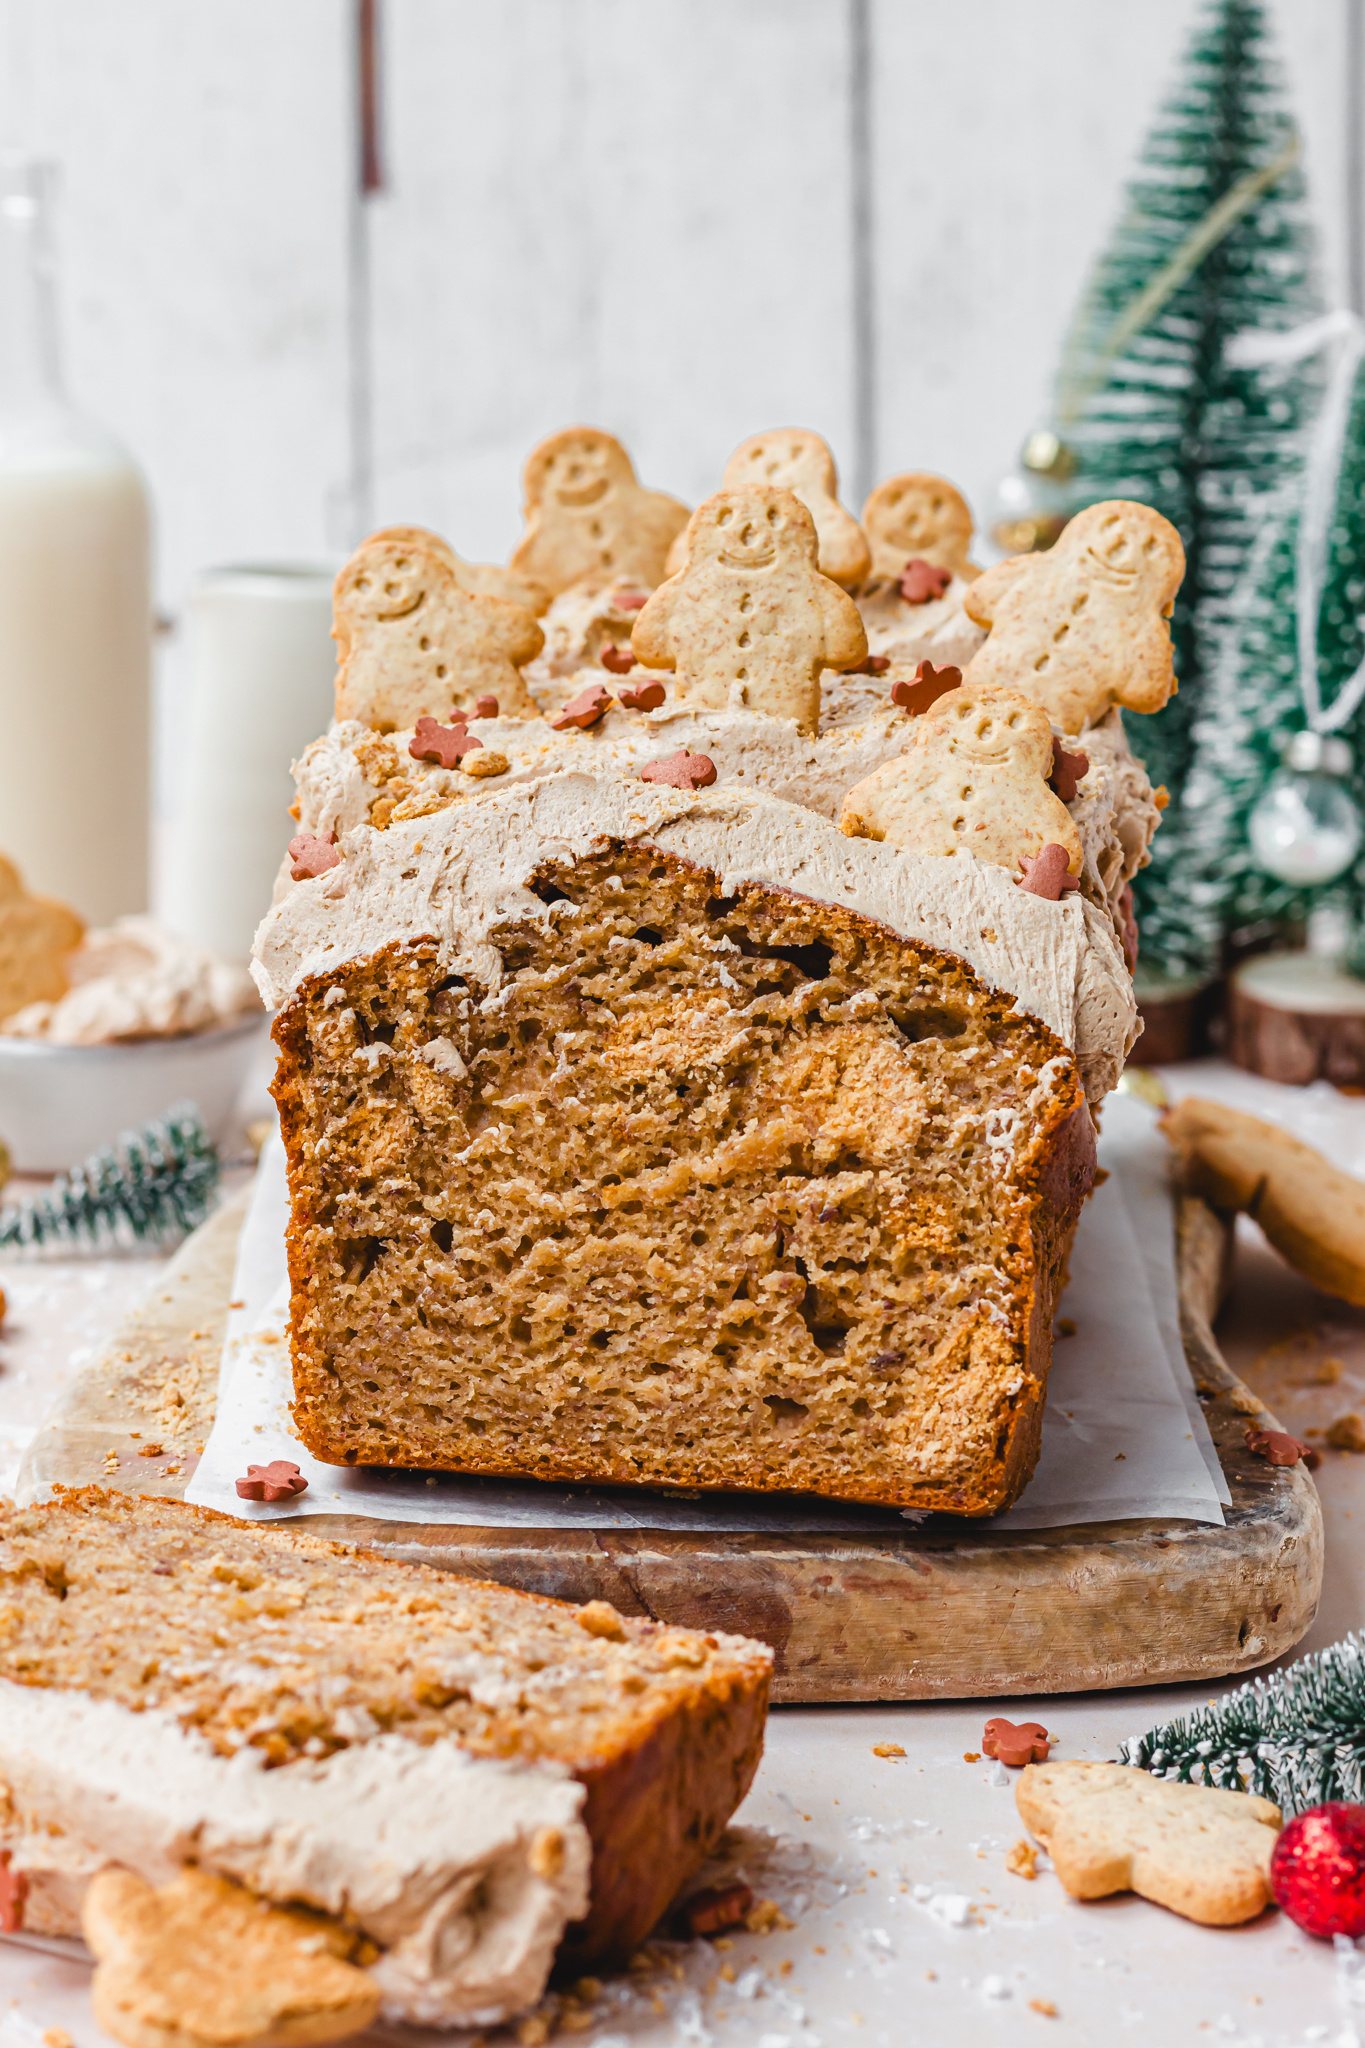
(1317, 1869)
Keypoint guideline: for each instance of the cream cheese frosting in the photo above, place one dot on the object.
(458, 873)
(463, 1870)
(339, 776)
(137, 980)
(938, 630)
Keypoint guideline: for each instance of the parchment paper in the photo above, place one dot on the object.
(1123, 1436)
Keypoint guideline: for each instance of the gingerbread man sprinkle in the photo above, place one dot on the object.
(277, 1481)
(442, 743)
(1016, 1744)
(13, 1892)
(929, 685)
(922, 582)
(1045, 872)
(644, 697)
(617, 661)
(1067, 771)
(311, 854)
(681, 771)
(1277, 1448)
(583, 710)
(485, 707)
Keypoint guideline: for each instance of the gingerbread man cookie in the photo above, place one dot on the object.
(750, 620)
(1083, 626)
(918, 517)
(480, 579)
(793, 459)
(204, 1963)
(1108, 1828)
(971, 779)
(588, 520)
(412, 643)
(37, 934)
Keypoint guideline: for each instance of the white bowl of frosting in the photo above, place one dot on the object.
(147, 1021)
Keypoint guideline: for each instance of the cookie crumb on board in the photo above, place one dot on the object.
(887, 1749)
(1021, 1860)
(1347, 1433)
(1044, 2006)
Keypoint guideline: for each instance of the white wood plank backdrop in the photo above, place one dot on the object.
(637, 212)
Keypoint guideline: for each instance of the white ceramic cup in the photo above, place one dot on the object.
(255, 680)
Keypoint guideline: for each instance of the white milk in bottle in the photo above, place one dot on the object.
(75, 602)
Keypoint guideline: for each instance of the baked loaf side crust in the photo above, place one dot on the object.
(725, 1191)
(153, 1604)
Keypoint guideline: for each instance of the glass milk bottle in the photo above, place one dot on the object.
(75, 601)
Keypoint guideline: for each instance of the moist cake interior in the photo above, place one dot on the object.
(713, 1190)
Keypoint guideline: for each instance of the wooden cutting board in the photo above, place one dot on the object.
(947, 1610)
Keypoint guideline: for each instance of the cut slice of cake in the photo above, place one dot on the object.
(654, 1137)
(464, 1779)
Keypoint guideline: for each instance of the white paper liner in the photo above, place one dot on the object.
(1123, 1436)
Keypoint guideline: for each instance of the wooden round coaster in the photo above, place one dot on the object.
(1297, 1017)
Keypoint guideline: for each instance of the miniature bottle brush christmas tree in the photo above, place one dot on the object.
(1213, 243)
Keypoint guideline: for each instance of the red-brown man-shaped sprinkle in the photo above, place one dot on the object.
(1067, 770)
(1046, 873)
(312, 853)
(277, 1481)
(618, 661)
(875, 665)
(13, 1892)
(1016, 1743)
(644, 697)
(583, 710)
(443, 743)
(1277, 1448)
(929, 685)
(681, 771)
(485, 707)
(923, 581)
(630, 600)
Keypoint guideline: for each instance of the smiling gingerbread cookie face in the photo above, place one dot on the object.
(1084, 626)
(412, 643)
(588, 519)
(972, 779)
(918, 517)
(793, 459)
(750, 621)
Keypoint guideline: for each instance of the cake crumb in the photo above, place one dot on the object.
(57, 2037)
(1022, 1859)
(1066, 1327)
(887, 1749)
(1347, 1433)
(970, 1756)
(1044, 2006)
(600, 1618)
(764, 1915)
